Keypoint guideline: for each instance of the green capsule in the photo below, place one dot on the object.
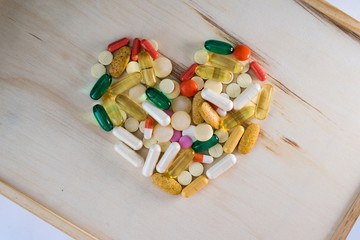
(157, 98)
(101, 86)
(102, 118)
(218, 47)
(199, 146)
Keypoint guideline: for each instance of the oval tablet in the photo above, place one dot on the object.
(119, 62)
(166, 184)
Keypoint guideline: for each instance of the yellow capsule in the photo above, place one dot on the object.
(131, 107)
(225, 62)
(195, 186)
(214, 73)
(112, 109)
(238, 117)
(125, 83)
(180, 163)
(249, 138)
(233, 139)
(146, 68)
(264, 102)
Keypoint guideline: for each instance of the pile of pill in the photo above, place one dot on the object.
(185, 126)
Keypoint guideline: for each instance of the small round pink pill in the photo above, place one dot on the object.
(176, 136)
(185, 142)
(168, 112)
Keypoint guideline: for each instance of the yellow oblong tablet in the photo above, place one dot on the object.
(195, 186)
(264, 102)
(249, 138)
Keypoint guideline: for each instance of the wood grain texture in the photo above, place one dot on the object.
(297, 183)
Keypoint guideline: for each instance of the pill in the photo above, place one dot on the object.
(188, 88)
(201, 56)
(149, 126)
(131, 124)
(129, 155)
(164, 145)
(203, 132)
(160, 116)
(176, 92)
(184, 178)
(234, 139)
(142, 126)
(246, 96)
(137, 93)
(135, 49)
(199, 146)
(189, 132)
(217, 99)
(146, 68)
(176, 136)
(196, 169)
(242, 52)
(157, 98)
(118, 44)
(102, 117)
(97, 70)
(210, 115)
(180, 163)
(167, 157)
(162, 67)
(246, 66)
(238, 117)
(225, 62)
(163, 133)
(195, 186)
(166, 184)
(130, 107)
(181, 103)
(222, 134)
(128, 138)
(196, 104)
(214, 85)
(101, 86)
(125, 83)
(216, 150)
(264, 102)
(121, 59)
(221, 166)
(244, 80)
(203, 158)
(214, 73)
(154, 43)
(188, 72)
(166, 85)
(260, 74)
(149, 142)
(199, 81)
(185, 142)
(233, 90)
(105, 57)
(149, 48)
(168, 112)
(112, 109)
(123, 114)
(219, 47)
(180, 120)
(132, 67)
(151, 160)
(249, 138)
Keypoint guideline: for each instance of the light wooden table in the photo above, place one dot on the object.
(297, 183)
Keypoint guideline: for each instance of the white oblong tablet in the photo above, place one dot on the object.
(168, 156)
(151, 160)
(128, 154)
(128, 138)
(159, 115)
(217, 99)
(246, 96)
(221, 166)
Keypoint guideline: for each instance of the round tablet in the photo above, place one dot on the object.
(162, 67)
(181, 103)
(246, 65)
(244, 80)
(154, 43)
(176, 136)
(97, 70)
(216, 151)
(176, 92)
(222, 134)
(180, 120)
(163, 133)
(164, 145)
(167, 86)
(142, 126)
(149, 142)
(233, 90)
(137, 93)
(132, 67)
(196, 169)
(189, 132)
(203, 132)
(123, 114)
(105, 57)
(184, 178)
(185, 142)
(199, 81)
(201, 56)
(214, 85)
(131, 124)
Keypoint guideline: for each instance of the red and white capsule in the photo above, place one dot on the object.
(203, 158)
(149, 48)
(149, 126)
(221, 112)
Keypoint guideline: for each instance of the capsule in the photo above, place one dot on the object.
(199, 146)
(149, 48)
(227, 63)
(112, 47)
(180, 163)
(157, 98)
(135, 49)
(219, 47)
(214, 73)
(246, 96)
(146, 68)
(221, 112)
(151, 160)
(129, 155)
(149, 126)
(221, 166)
(203, 158)
(233, 139)
(260, 74)
(159, 115)
(101, 86)
(264, 102)
(128, 138)
(120, 61)
(168, 156)
(125, 83)
(238, 117)
(210, 115)
(112, 109)
(130, 107)
(188, 72)
(102, 118)
(195, 186)
(217, 99)
(249, 138)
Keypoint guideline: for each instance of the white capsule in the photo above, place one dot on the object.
(246, 96)
(128, 154)
(151, 160)
(207, 159)
(220, 101)
(221, 166)
(128, 138)
(159, 115)
(168, 156)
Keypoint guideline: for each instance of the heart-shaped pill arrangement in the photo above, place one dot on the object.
(185, 124)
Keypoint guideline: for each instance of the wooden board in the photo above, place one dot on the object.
(297, 183)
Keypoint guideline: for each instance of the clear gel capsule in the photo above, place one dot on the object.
(225, 62)
(264, 102)
(101, 86)
(157, 98)
(238, 117)
(195, 186)
(146, 68)
(221, 166)
(180, 163)
(199, 146)
(214, 73)
(218, 47)
(130, 107)
(102, 118)
(112, 109)
(125, 83)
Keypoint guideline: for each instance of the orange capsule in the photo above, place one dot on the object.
(112, 47)
(188, 72)
(149, 48)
